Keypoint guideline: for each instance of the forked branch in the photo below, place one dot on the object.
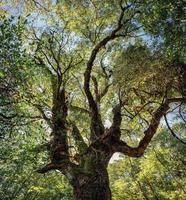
(97, 127)
(121, 146)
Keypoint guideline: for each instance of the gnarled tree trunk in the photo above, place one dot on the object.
(93, 187)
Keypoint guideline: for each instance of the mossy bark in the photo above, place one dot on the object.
(94, 187)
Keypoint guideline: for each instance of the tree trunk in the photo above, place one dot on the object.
(94, 187)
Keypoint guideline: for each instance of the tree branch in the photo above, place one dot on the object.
(53, 166)
(97, 127)
(121, 146)
(77, 108)
(172, 132)
(40, 109)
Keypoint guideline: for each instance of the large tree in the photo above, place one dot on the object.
(90, 81)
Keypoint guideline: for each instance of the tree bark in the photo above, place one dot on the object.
(95, 187)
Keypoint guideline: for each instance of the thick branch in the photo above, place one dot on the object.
(97, 127)
(59, 143)
(49, 167)
(66, 168)
(121, 146)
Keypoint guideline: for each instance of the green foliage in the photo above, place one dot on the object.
(49, 52)
(160, 174)
(166, 19)
(19, 179)
(12, 62)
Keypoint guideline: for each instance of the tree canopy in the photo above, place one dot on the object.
(82, 80)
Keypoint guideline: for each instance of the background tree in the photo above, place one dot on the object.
(159, 174)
